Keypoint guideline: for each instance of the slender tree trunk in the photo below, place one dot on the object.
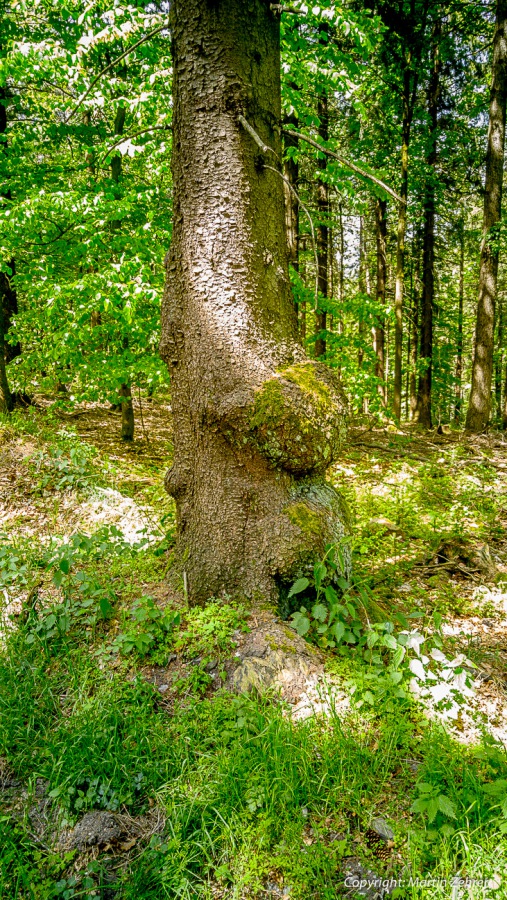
(414, 340)
(459, 348)
(127, 409)
(423, 415)
(341, 271)
(504, 410)
(499, 364)
(291, 172)
(252, 433)
(127, 413)
(322, 231)
(5, 394)
(400, 246)
(8, 296)
(479, 407)
(9, 301)
(379, 332)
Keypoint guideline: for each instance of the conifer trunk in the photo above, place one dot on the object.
(400, 244)
(127, 408)
(479, 407)
(459, 348)
(379, 332)
(255, 422)
(424, 412)
(5, 394)
(322, 231)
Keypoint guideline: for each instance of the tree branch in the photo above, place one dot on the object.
(118, 59)
(303, 207)
(258, 140)
(128, 137)
(345, 162)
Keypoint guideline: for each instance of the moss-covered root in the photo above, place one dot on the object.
(314, 517)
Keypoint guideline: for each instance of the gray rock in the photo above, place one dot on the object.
(95, 829)
(380, 827)
(272, 655)
(362, 882)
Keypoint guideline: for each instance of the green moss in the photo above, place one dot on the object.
(305, 376)
(309, 521)
(269, 406)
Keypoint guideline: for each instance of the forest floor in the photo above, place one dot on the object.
(129, 772)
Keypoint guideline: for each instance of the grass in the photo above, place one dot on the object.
(254, 803)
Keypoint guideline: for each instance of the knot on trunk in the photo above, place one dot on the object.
(296, 419)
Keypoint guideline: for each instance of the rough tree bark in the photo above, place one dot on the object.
(423, 412)
(5, 394)
(459, 348)
(322, 230)
(499, 362)
(379, 327)
(400, 244)
(414, 334)
(291, 171)
(479, 407)
(127, 409)
(8, 297)
(255, 422)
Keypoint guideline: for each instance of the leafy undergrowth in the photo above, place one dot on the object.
(249, 803)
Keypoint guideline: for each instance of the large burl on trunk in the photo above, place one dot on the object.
(256, 423)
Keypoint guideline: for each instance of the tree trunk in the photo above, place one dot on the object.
(423, 414)
(9, 301)
(291, 172)
(459, 348)
(8, 296)
(479, 407)
(400, 245)
(378, 331)
(127, 413)
(322, 231)
(499, 364)
(127, 409)
(5, 394)
(414, 341)
(255, 422)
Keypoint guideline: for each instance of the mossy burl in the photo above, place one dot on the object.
(296, 419)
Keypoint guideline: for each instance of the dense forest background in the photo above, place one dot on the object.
(386, 292)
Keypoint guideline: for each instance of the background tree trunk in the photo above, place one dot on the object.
(8, 296)
(400, 245)
(252, 433)
(459, 348)
(5, 394)
(291, 171)
(322, 231)
(379, 333)
(127, 409)
(479, 407)
(423, 414)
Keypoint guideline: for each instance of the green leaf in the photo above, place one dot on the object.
(432, 808)
(301, 623)
(338, 630)
(300, 585)
(390, 641)
(419, 806)
(446, 806)
(105, 607)
(319, 612)
(65, 566)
